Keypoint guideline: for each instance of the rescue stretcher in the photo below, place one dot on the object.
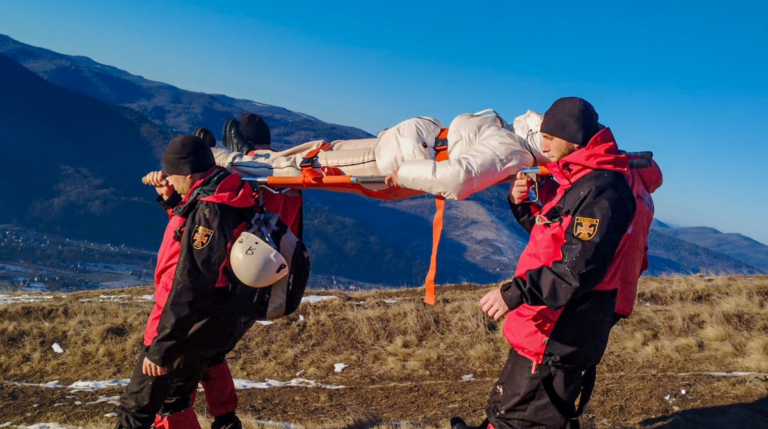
(484, 148)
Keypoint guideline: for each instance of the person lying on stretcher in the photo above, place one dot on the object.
(482, 149)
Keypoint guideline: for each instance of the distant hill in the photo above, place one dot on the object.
(177, 109)
(737, 246)
(668, 254)
(73, 163)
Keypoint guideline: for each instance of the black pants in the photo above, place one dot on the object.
(241, 327)
(146, 396)
(521, 399)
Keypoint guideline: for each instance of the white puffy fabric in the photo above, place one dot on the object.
(528, 126)
(482, 152)
(410, 140)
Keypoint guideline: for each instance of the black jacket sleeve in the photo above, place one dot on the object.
(171, 202)
(204, 249)
(523, 214)
(601, 196)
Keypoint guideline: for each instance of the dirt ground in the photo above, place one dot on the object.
(620, 401)
(407, 360)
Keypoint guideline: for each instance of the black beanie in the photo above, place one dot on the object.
(187, 155)
(255, 130)
(572, 119)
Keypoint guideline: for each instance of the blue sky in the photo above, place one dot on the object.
(687, 80)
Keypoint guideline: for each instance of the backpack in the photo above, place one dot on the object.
(284, 297)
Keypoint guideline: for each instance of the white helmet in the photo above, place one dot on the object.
(256, 263)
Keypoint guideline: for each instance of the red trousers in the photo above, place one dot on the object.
(220, 395)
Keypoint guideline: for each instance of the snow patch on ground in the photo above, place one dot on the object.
(721, 374)
(87, 386)
(78, 386)
(113, 297)
(24, 299)
(114, 400)
(313, 299)
(468, 377)
(339, 367)
(57, 348)
(278, 424)
(390, 301)
(36, 426)
(296, 382)
(122, 299)
(265, 322)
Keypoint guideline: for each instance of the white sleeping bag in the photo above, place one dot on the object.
(410, 140)
(482, 152)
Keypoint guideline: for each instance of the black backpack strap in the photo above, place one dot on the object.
(563, 407)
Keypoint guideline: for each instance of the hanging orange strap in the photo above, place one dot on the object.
(441, 149)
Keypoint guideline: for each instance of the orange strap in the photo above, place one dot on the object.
(308, 165)
(437, 227)
(314, 152)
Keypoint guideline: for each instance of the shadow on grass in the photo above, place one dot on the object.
(753, 416)
(376, 423)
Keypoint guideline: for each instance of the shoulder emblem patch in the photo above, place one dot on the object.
(201, 237)
(585, 228)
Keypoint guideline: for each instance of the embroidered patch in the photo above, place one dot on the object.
(585, 228)
(202, 237)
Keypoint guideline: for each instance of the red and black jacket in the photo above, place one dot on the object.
(586, 252)
(191, 312)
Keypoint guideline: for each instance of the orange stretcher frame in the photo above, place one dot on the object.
(351, 184)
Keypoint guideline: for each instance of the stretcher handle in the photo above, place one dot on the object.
(642, 155)
(327, 180)
(637, 164)
(368, 179)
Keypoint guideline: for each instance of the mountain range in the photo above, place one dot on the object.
(80, 134)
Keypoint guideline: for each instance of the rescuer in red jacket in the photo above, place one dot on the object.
(192, 319)
(577, 276)
(246, 134)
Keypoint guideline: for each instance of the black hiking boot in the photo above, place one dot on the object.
(206, 135)
(233, 138)
(226, 421)
(459, 423)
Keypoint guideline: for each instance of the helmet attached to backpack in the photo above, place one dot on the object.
(272, 268)
(255, 262)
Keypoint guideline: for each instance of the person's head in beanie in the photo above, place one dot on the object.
(186, 160)
(568, 126)
(255, 131)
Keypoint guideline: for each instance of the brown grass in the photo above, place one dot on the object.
(681, 325)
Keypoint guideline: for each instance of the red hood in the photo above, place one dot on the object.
(232, 191)
(229, 189)
(651, 177)
(601, 153)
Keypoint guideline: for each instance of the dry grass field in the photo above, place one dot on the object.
(406, 360)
